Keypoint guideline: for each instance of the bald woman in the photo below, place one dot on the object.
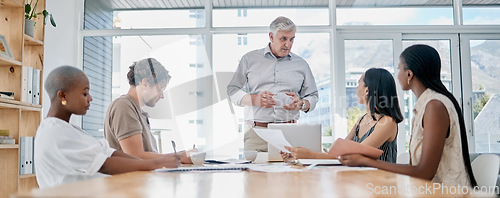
(65, 153)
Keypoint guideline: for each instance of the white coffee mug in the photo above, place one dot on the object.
(197, 158)
(250, 155)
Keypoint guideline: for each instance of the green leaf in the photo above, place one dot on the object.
(45, 13)
(52, 21)
(27, 9)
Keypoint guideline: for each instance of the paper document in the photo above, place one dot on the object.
(274, 137)
(272, 168)
(319, 161)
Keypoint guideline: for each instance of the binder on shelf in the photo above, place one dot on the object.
(24, 85)
(33, 155)
(22, 155)
(36, 86)
(29, 156)
(30, 85)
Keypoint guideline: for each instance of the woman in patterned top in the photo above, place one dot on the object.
(378, 127)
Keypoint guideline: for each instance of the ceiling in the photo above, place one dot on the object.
(199, 4)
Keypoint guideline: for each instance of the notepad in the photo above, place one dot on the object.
(201, 168)
(343, 147)
(228, 161)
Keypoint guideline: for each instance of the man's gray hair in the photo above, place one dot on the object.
(62, 78)
(282, 23)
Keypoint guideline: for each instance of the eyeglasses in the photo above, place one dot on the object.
(153, 74)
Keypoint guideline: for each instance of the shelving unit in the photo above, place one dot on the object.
(20, 118)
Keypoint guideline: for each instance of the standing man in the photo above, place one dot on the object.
(273, 84)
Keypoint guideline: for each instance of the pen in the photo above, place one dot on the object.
(173, 145)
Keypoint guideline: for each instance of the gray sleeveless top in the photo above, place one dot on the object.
(390, 148)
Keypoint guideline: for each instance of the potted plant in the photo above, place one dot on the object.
(30, 13)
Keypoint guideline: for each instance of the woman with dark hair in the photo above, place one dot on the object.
(378, 127)
(438, 145)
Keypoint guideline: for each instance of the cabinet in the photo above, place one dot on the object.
(20, 118)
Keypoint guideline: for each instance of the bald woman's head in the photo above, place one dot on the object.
(62, 78)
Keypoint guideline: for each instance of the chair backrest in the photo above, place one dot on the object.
(403, 158)
(485, 168)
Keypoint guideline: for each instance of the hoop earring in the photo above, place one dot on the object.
(64, 102)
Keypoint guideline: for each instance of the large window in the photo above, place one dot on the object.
(481, 15)
(361, 55)
(261, 17)
(395, 16)
(201, 47)
(485, 70)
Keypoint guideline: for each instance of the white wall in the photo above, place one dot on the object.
(62, 42)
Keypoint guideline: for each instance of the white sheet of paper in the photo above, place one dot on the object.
(274, 137)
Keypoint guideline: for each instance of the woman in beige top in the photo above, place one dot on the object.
(438, 145)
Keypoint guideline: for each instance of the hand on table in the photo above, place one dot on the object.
(169, 160)
(353, 159)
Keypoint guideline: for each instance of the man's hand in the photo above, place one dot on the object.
(169, 161)
(296, 102)
(263, 99)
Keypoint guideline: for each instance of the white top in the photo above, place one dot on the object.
(451, 169)
(65, 153)
(259, 70)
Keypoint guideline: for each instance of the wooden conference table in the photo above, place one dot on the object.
(319, 182)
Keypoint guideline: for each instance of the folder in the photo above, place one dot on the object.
(36, 86)
(28, 169)
(24, 85)
(30, 85)
(33, 155)
(22, 158)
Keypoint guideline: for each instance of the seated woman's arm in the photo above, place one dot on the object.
(304, 153)
(436, 123)
(385, 130)
(120, 162)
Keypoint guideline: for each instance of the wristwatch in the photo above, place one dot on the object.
(303, 105)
